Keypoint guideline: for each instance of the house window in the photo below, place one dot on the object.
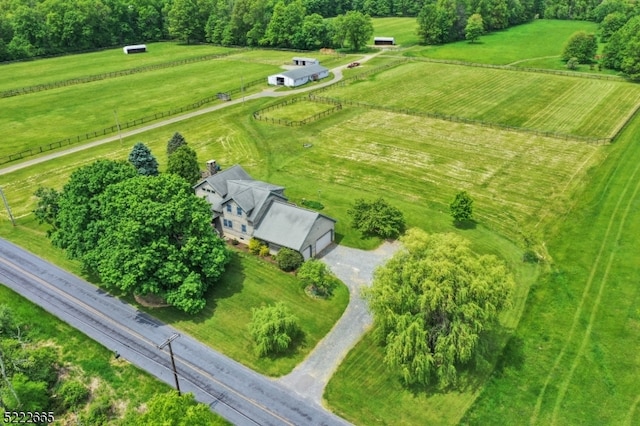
(244, 228)
(239, 210)
(227, 223)
(229, 208)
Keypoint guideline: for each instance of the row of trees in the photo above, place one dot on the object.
(139, 231)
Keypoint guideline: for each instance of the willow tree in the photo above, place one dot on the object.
(433, 303)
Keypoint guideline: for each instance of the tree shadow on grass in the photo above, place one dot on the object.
(465, 224)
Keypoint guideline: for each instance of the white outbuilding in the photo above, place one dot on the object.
(305, 61)
(299, 76)
(135, 48)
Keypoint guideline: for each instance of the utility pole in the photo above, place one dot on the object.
(242, 87)
(115, 113)
(173, 363)
(6, 204)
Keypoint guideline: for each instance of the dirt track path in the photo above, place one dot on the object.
(269, 92)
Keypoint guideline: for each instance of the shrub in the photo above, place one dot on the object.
(288, 260)
(264, 251)
(73, 393)
(255, 245)
(273, 328)
(462, 207)
(572, 64)
(314, 273)
(377, 218)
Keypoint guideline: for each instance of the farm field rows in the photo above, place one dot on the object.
(566, 105)
(514, 179)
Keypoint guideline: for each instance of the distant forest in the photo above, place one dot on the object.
(31, 28)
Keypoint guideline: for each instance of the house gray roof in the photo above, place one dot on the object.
(304, 71)
(252, 195)
(286, 225)
(219, 181)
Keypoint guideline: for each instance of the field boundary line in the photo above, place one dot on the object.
(576, 316)
(523, 69)
(458, 119)
(565, 384)
(113, 74)
(259, 114)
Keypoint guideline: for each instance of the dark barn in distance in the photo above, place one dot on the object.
(384, 41)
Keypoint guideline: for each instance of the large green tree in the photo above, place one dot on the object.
(187, 20)
(474, 28)
(184, 163)
(433, 303)
(582, 46)
(462, 207)
(155, 237)
(358, 28)
(78, 207)
(623, 50)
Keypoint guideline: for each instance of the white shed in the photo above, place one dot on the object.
(135, 48)
(305, 61)
(298, 77)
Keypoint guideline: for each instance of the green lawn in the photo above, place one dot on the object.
(567, 105)
(537, 39)
(250, 283)
(125, 386)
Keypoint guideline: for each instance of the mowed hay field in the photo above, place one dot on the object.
(515, 179)
(549, 103)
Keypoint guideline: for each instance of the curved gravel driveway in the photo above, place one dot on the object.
(355, 268)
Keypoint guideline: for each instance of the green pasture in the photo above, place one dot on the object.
(30, 73)
(42, 118)
(519, 44)
(550, 103)
(573, 359)
(404, 30)
(125, 386)
(298, 111)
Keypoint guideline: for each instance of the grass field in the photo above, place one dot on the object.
(577, 344)
(404, 30)
(42, 71)
(568, 105)
(537, 39)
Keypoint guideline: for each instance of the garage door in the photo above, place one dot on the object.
(323, 242)
(306, 253)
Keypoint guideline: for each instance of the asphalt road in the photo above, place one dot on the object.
(237, 393)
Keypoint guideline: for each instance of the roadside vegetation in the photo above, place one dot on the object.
(89, 386)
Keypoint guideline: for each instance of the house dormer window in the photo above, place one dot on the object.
(229, 208)
(239, 210)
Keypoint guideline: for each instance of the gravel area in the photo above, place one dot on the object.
(355, 268)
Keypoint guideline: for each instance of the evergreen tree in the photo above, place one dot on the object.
(184, 163)
(143, 160)
(176, 141)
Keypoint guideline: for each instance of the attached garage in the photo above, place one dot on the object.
(324, 241)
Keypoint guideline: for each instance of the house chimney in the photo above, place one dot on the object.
(212, 167)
